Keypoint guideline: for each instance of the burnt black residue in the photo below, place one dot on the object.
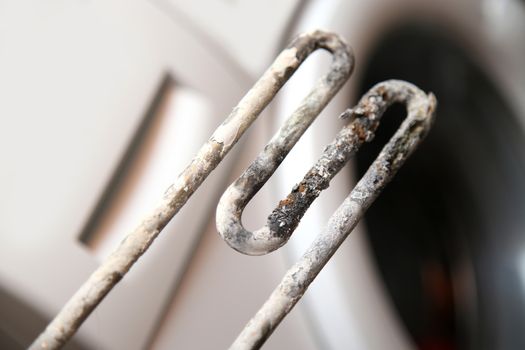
(285, 218)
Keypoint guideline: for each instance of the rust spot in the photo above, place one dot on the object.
(382, 91)
(360, 131)
(287, 201)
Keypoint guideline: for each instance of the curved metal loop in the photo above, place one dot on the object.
(284, 219)
(276, 76)
(287, 136)
(420, 115)
(107, 275)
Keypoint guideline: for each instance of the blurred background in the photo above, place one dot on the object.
(103, 103)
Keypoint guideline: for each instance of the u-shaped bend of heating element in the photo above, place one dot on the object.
(286, 216)
(283, 141)
(97, 286)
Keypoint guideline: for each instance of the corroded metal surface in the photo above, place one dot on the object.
(82, 303)
(365, 119)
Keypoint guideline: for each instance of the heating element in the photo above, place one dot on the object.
(364, 119)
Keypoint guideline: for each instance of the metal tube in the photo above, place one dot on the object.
(420, 113)
(100, 283)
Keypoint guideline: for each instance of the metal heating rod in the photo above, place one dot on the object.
(285, 218)
(107, 275)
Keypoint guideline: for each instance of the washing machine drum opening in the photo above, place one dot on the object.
(448, 234)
